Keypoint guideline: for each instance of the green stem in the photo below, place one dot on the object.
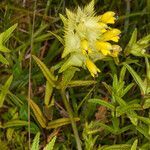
(73, 123)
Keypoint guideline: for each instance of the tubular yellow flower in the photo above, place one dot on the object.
(104, 47)
(85, 47)
(111, 35)
(103, 27)
(84, 44)
(108, 17)
(92, 67)
(115, 50)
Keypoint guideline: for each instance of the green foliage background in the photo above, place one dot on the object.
(111, 111)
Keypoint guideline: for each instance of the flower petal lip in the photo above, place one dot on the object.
(111, 35)
(108, 17)
(92, 67)
(103, 47)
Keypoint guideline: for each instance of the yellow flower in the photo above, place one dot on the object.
(84, 44)
(111, 35)
(115, 50)
(92, 67)
(103, 27)
(85, 47)
(104, 47)
(108, 17)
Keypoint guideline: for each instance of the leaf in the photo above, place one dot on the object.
(76, 83)
(147, 69)
(127, 89)
(48, 75)
(48, 93)
(134, 146)
(102, 102)
(14, 123)
(89, 9)
(5, 90)
(9, 134)
(58, 37)
(122, 74)
(143, 130)
(108, 128)
(125, 109)
(4, 49)
(146, 103)
(144, 119)
(137, 78)
(74, 60)
(6, 34)
(60, 122)
(132, 41)
(35, 144)
(50, 145)
(64, 19)
(120, 100)
(108, 87)
(67, 76)
(124, 129)
(3, 60)
(38, 114)
(116, 147)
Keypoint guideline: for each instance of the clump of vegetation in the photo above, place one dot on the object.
(75, 79)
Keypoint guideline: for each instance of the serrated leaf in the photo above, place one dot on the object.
(70, 14)
(76, 83)
(35, 144)
(5, 90)
(102, 102)
(60, 122)
(38, 114)
(64, 19)
(48, 75)
(137, 78)
(50, 145)
(89, 9)
(3, 60)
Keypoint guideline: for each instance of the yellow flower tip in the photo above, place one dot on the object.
(108, 17)
(85, 47)
(115, 50)
(113, 35)
(103, 27)
(103, 47)
(84, 44)
(92, 67)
